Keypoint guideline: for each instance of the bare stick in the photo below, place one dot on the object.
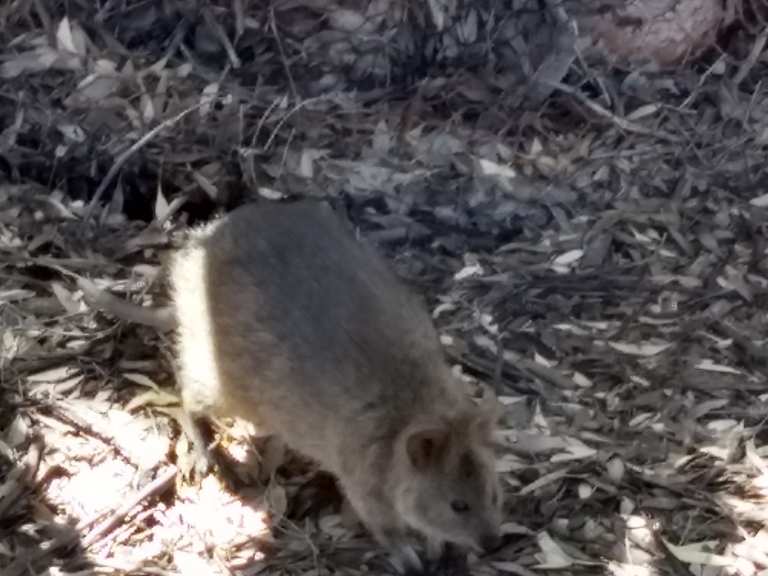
(216, 28)
(155, 487)
(754, 55)
(279, 43)
(123, 158)
(622, 123)
(161, 318)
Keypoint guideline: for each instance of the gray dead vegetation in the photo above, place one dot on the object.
(584, 210)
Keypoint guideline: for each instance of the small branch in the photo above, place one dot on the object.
(550, 375)
(290, 113)
(622, 123)
(161, 318)
(155, 487)
(754, 55)
(123, 158)
(273, 25)
(220, 33)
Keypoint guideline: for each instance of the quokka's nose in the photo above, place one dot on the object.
(490, 541)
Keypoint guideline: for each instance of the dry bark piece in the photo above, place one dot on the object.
(661, 32)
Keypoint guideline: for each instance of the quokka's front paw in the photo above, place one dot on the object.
(406, 561)
(452, 562)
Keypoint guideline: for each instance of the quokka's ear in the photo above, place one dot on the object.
(426, 445)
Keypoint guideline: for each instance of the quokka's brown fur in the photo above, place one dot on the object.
(287, 321)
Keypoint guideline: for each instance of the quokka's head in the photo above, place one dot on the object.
(446, 484)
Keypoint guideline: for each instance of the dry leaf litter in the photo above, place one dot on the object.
(578, 190)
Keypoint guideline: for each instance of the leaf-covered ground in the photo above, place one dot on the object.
(593, 247)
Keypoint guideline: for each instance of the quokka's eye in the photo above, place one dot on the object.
(459, 506)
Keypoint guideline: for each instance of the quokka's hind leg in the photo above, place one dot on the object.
(273, 454)
(191, 424)
(198, 401)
